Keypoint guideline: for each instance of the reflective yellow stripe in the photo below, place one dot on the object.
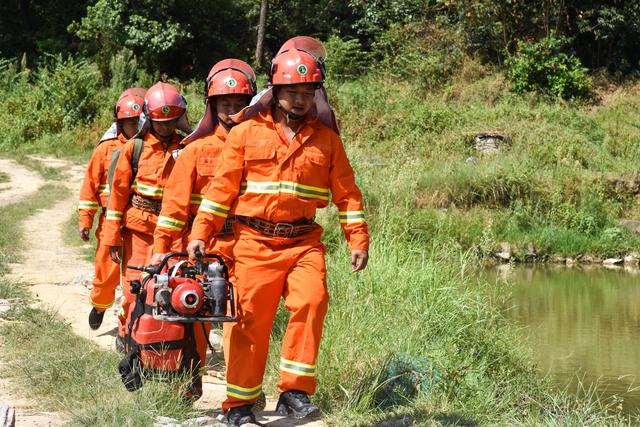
(170, 223)
(196, 199)
(114, 215)
(297, 368)
(285, 187)
(103, 188)
(88, 205)
(243, 393)
(214, 208)
(351, 217)
(96, 305)
(147, 190)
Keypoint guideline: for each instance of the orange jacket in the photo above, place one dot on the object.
(95, 189)
(183, 193)
(261, 175)
(154, 167)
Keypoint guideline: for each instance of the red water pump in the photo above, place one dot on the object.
(163, 322)
(190, 291)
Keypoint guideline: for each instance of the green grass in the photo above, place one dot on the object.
(547, 187)
(4, 178)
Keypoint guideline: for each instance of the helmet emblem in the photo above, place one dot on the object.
(166, 109)
(135, 107)
(231, 82)
(302, 70)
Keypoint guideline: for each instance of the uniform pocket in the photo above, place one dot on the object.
(260, 159)
(147, 170)
(206, 166)
(254, 152)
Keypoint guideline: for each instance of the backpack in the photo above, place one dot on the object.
(159, 348)
(138, 145)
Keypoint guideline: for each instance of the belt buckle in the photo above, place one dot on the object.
(283, 229)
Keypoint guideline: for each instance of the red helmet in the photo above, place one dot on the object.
(231, 77)
(305, 43)
(137, 91)
(295, 66)
(163, 102)
(129, 106)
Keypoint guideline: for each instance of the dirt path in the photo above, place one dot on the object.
(64, 286)
(22, 182)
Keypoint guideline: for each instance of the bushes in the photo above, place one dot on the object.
(422, 53)
(544, 67)
(57, 96)
(346, 58)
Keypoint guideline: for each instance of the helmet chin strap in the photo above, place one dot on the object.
(291, 117)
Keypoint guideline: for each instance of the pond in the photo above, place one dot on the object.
(583, 323)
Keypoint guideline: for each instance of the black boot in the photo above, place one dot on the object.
(240, 415)
(95, 318)
(259, 404)
(297, 403)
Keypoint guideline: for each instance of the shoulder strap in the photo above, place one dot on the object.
(115, 155)
(138, 145)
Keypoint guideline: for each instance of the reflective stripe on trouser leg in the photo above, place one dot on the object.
(106, 274)
(306, 297)
(137, 248)
(259, 276)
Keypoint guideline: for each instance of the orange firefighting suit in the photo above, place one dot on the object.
(137, 222)
(93, 194)
(262, 175)
(182, 196)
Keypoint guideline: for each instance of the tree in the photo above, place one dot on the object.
(261, 28)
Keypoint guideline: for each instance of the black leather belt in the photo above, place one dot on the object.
(146, 204)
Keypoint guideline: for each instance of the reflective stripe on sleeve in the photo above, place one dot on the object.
(88, 205)
(214, 208)
(297, 368)
(243, 393)
(285, 187)
(196, 199)
(114, 215)
(170, 223)
(103, 188)
(351, 217)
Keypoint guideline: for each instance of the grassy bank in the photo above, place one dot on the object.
(563, 177)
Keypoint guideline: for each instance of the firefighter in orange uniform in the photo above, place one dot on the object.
(229, 88)
(95, 192)
(276, 169)
(135, 202)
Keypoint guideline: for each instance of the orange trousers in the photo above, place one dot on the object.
(107, 274)
(267, 269)
(137, 250)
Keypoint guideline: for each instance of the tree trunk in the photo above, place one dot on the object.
(261, 29)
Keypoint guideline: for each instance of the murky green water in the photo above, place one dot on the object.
(584, 324)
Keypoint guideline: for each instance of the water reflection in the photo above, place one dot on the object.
(582, 322)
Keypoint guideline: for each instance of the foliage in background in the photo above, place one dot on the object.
(545, 67)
